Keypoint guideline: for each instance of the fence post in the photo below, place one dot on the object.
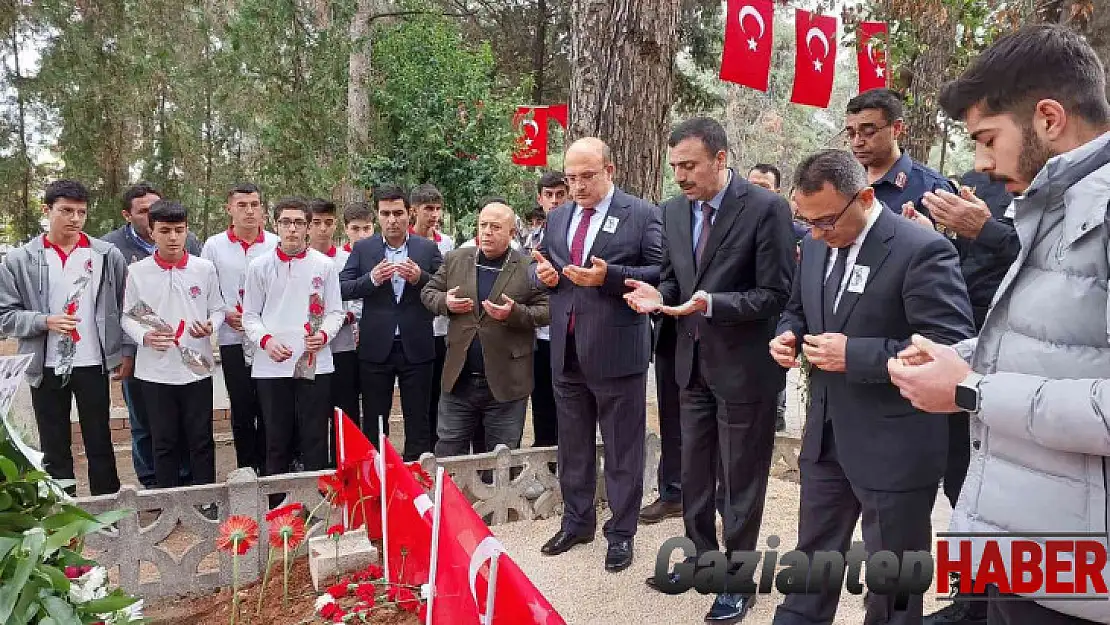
(245, 498)
(130, 550)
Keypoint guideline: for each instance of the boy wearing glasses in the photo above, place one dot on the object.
(872, 128)
(291, 311)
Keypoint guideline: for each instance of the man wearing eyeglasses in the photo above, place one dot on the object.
(493, 310)
(599, 347)
(867, 282)
(872, 129)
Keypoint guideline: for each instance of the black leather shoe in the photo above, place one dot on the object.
(660, 510)
(562, 541)
(958, 613)
(654, 585)
(619, 555)
(729, 608)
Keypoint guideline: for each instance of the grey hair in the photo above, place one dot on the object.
(837, 167)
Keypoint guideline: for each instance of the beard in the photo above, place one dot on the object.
(1034, 155)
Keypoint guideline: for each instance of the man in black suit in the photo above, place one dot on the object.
(726, 278)
(599, 348)
(387, 272)
(868, 280)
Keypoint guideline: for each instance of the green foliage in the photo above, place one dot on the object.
(40, 536)
(443, 117)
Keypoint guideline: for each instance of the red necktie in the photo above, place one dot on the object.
(578, 248)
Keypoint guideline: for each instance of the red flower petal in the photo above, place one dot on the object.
(238, 533)
(338, 591)
(288, 531)
(292, 508)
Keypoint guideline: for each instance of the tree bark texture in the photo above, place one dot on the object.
(539, 51)
(1092, 18)
(622, 84)
(930, 70)
(358, 94)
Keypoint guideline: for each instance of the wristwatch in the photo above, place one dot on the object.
(967, 393)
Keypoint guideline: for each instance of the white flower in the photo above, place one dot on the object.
(92, 585)
(324, 600)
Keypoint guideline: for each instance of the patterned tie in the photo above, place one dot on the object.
(703, 236)
(578, 248)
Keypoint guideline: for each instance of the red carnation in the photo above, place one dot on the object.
(338, 591)
(336, 530)
(365, 593)
(316, 309)
(375, 571)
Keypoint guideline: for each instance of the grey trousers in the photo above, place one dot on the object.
(470, 404)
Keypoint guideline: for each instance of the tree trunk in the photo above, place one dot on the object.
(358, 96)
(622, 84)
(24, 222)
(539, 51)
(929, 70)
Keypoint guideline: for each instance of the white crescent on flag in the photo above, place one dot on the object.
(483, 553)
(816, 33)
(750, 10)
(533, 124)
(871, 54)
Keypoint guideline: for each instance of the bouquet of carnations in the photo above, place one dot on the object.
(305, 369)
(194, 360)
(67, 345)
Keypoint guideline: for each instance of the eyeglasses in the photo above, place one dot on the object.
(487, 267)
(827, 223)
(865, 131)
(292, 223)
(584, 177)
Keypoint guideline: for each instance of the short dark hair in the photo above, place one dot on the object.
(1038, 62)
(320, 206)
(837, 167)
(550, 180)
(768, 169)
(137, 191)
(886, 100)
(425, 194)
(291, 204)
(68, 189)
(357, 210)
(537, 212)
(709, 130)
(168, 211)
(244, 188)
(388, 192)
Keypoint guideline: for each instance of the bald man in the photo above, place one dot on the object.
(493, 310)
(599, 346)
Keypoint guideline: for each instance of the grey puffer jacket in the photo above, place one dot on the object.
(25, 297)
(1044, 424)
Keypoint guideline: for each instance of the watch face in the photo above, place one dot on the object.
(966, 398)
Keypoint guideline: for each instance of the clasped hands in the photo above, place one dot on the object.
(385, 270)
(645, 299)
(162, 340)
(463, 305)
(825, 351)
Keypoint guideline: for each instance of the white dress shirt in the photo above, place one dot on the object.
(853, 252)
(596, 221)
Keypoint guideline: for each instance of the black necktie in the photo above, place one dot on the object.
(832, 283)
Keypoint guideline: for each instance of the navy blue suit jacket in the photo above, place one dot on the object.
(381, 313)
(611, 339)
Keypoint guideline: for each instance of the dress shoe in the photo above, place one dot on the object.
(959, 613)
(562, 541)
(619, 555)
(729, 608)
(660, 510)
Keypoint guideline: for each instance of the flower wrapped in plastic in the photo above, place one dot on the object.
(197, 362)
(67, 345)
(305, 368)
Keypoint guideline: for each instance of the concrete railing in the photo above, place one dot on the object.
(167, 547)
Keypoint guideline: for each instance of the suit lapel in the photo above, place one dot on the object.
(618, 209)
(872, 254)
(467, 264)
(682, 247)
(507, 271)
(731, 207)
(814, 258)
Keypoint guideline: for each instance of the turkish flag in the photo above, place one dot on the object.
(361, 491)
(408, 521)
(815, 58)
(749, 37)
(558, 112)
(466, 549)
(871, 56)
(531, 142)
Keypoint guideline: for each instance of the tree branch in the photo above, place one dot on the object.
(410, 13)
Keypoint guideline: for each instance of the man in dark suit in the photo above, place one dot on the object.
(493, 310)
(726, 278)
(867, 282)
(387, 271)
(599, 348)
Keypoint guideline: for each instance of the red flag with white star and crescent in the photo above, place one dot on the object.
(814, 59)
(531, 142)
(871, 56)
(749, 37)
